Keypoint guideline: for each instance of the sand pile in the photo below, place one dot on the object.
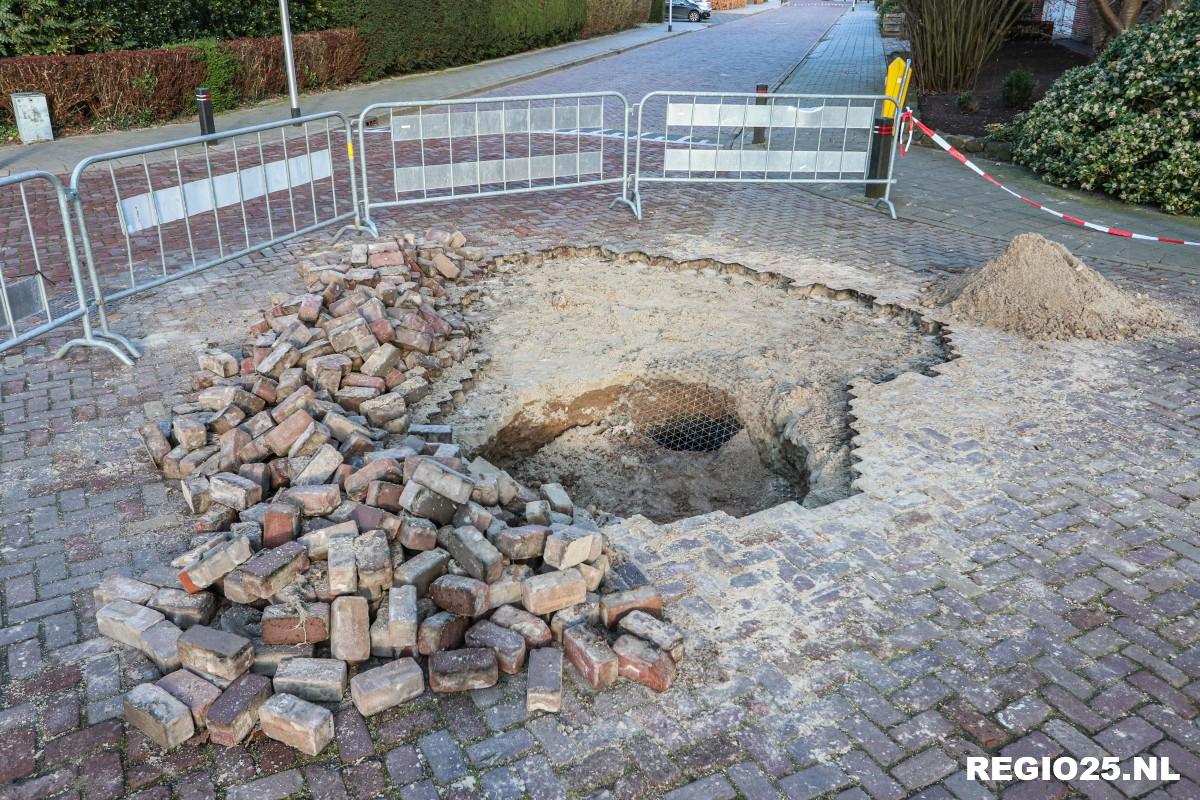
(1037, 288)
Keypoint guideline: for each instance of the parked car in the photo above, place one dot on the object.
(691, 10)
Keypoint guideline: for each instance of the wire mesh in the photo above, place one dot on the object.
(683, 407)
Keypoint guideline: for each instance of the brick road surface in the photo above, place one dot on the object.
(1017, 573)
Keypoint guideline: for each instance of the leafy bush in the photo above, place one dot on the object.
(1126, 124)
(128, 87)
(63, 27)
(220, 71)
(107, 89)
(54, 27)
(656, 10)
(967, 102)
(323, 58)
(606, 16)
(1017, 88)
(432, 34)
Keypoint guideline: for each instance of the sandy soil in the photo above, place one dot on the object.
(575, 354)
(1037, 288)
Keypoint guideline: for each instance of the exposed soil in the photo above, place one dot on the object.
(588, 367)
(1046, 60)
(1039, 289)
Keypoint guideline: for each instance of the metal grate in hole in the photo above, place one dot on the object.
(697, 434)
(679, 408)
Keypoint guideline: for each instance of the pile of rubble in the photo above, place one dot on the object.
(341, 547)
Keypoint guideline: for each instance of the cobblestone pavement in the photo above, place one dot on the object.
(1017, 574)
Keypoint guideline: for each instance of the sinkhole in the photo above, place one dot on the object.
(647, 386)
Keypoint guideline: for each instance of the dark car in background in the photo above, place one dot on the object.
(690, 10)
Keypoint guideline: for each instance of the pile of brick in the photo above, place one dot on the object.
(339, 546)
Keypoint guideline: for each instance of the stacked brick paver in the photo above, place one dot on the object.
(1018, 574)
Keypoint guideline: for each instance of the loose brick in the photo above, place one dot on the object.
(322, 680)
(662, 635)
(350, 635)
(544, 682)
(320, 467)
(522, 543)
(118, 587)
(558, 498)
(449, 483)
(297, 722)
(441, 631)
(317, 541)
(184, 608)
(387, 686)
(618, 604)
(418, 534)
(162, 645)
(155, 441)
(268, 657)
(233, 715)
(463, 670)
(402, 617)
(508, 645)
(196, 493)
(590, 654)
(553, 591)
(373, 560)
(421, 570)
(189, 432)
(315, 501)
(640, 661)
(271, 570)
(474, 553)
(216, 564)
(568, 547)
(299, 623)
(532, 629)
(281, 524)
(160, 716)
(215, 652)
(424, 502)
(126, 622)
(460, 595)
(343, 567)
(509, 588)
(193, 691)
(234, 491)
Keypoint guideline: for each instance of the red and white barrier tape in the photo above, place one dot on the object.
(912, 123)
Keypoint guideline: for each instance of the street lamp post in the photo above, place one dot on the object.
(289, 57)
(668, 6)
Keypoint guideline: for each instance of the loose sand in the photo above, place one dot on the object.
(575, 353)
(1039, 289)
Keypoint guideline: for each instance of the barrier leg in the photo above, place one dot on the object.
(101, 313)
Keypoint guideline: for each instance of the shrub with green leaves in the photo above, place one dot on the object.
(1129, 123)
(1017, 88)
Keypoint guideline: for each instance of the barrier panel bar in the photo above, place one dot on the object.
(153, 214)
(29, 310)
(750, 137)
(459, 149)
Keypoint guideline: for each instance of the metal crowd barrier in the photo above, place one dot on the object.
(727, 137)
(153, 214)
(459, 149)
(48, 248)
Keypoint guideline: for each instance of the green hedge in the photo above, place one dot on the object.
(409, 35)
(1126, 124)
(66, 27)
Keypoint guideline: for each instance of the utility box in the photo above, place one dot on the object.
(33, 117)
